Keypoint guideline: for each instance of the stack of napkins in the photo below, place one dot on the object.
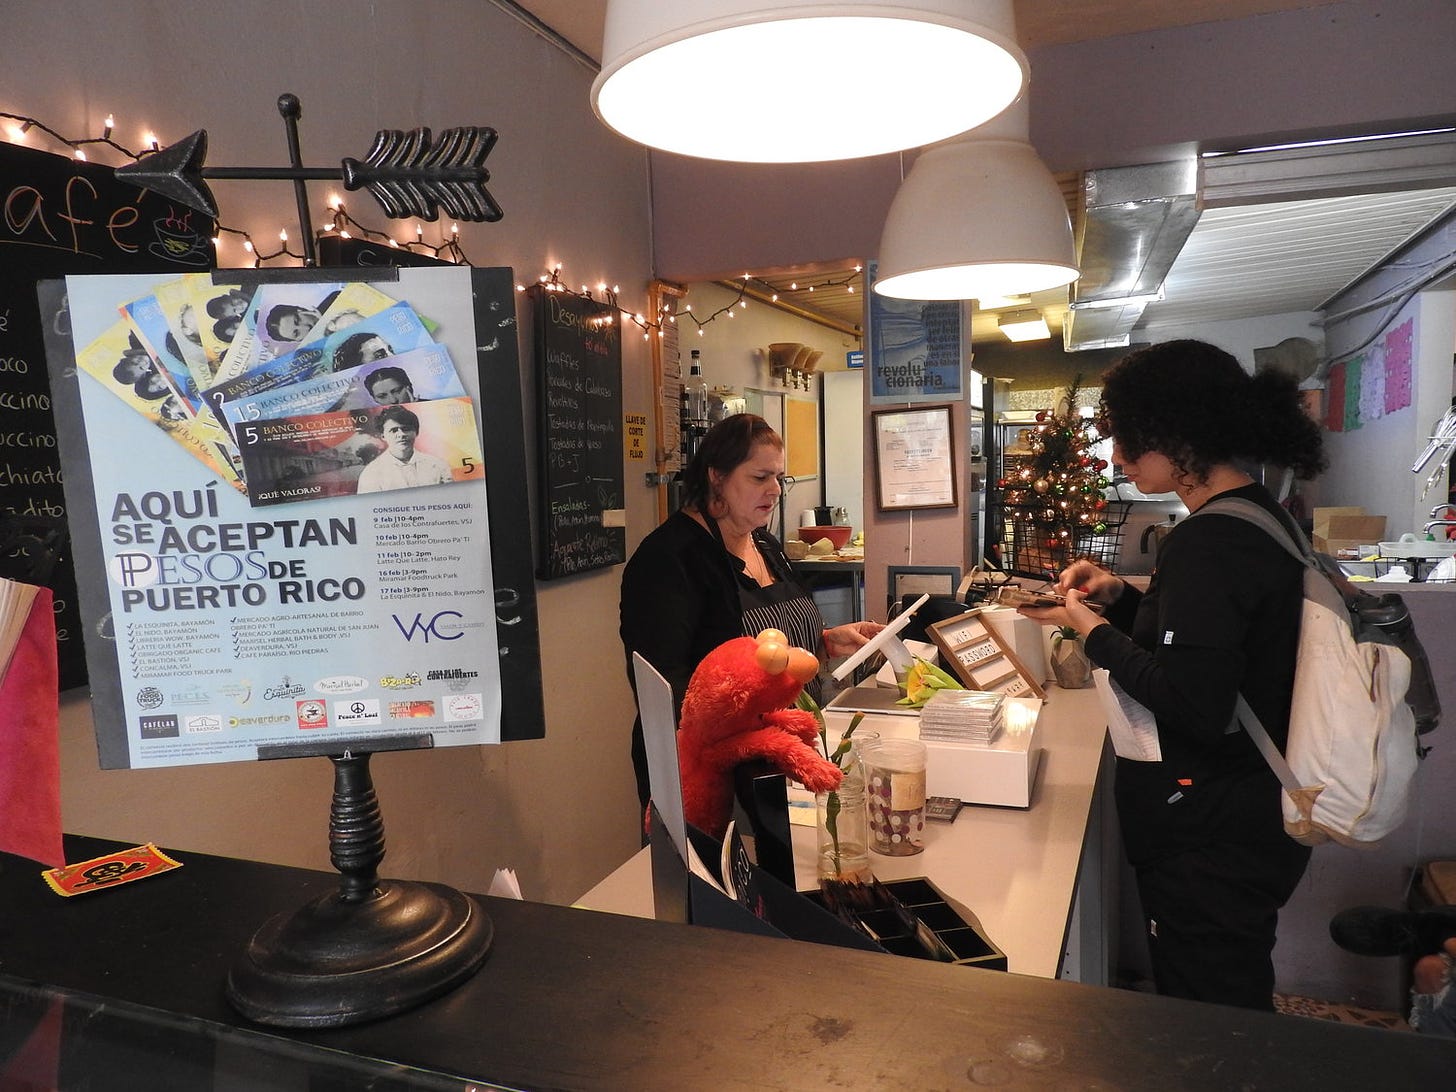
(962, 716)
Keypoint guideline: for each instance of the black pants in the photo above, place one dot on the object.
(1211, 913)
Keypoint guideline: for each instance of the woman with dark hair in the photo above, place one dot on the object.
(1202, 826)
(712, 572)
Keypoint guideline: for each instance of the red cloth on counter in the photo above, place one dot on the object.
(30, 752)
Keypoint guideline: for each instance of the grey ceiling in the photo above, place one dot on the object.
(1237, 263)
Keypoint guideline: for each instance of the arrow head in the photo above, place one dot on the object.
(175, 172)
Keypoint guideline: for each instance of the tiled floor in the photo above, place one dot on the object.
(1291, 1005)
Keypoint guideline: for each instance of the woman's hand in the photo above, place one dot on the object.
(1095, 582)
(1083, 584)
(845, 639)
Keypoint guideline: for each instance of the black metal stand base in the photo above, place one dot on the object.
(371, 949)
(332, 963)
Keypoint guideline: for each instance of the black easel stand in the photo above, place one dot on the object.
(373, 948)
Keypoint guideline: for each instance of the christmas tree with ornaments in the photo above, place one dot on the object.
(1055, 497)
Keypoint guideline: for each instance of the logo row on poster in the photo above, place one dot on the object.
(314, 713)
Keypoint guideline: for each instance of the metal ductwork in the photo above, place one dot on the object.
(1134, 222)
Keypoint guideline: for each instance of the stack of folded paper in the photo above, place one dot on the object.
(962, 716)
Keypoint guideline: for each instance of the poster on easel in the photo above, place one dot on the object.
(317, 555)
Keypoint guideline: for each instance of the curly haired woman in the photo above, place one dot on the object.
(1203, 827)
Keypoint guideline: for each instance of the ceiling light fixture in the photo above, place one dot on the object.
(979, 215)
(1024, 326)
(940, 67)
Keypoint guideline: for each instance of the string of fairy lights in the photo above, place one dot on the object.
(340, 224)
(670, 313)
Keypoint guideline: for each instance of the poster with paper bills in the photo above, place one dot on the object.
(308, 555)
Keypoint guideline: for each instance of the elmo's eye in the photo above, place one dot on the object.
(772, 657)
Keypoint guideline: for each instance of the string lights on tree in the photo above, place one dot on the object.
(1055, 496)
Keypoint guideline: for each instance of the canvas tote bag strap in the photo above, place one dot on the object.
(1271, 753)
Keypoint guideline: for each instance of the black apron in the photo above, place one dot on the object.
(783, 605)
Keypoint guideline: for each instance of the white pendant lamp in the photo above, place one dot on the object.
(978, 216)
(738, 79)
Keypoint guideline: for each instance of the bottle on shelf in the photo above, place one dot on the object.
(695, 394)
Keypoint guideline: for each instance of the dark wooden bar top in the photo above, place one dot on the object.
(575, 999)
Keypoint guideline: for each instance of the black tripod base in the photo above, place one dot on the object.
(332, 963)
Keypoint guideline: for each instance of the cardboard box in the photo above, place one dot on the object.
(1347, 528)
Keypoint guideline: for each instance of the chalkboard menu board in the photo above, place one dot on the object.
(63, 216)
(334, 250)
(579, 391)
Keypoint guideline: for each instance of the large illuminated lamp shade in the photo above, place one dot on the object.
(741, 79)
(979, 215)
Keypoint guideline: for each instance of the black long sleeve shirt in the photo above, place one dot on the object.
(1220, 617)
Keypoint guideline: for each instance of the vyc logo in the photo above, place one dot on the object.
(432, 628)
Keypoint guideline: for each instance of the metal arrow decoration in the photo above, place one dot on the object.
(409, 173)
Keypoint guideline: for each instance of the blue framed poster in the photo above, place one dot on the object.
(916, 348)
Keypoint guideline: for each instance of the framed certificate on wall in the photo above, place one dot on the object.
(914, 458)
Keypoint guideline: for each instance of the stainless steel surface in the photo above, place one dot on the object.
(1134, 223)
(1138, 551)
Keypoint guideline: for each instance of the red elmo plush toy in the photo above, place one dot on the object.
(735, 710)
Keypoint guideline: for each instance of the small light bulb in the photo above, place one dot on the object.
(107, 126)
(81, 155)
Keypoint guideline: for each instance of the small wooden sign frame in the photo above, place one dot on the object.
(978, 657)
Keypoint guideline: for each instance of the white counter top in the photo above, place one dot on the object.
(1015, 869)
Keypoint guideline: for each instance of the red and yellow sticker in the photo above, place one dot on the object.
(114, 869)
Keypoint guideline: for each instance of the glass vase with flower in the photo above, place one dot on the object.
(842, 818)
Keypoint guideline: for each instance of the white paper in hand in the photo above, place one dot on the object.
(1132, 726)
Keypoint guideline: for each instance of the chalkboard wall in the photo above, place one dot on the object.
(579, 391)
(63, 216)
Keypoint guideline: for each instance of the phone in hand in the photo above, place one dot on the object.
(1009, 595)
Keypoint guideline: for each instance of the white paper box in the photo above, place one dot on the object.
(1002, 772)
